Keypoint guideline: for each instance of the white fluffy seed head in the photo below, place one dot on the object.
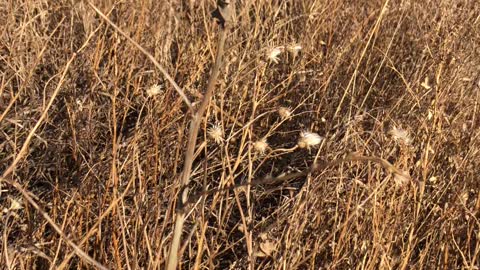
(261, 146)
(216, 133)
(15, 204)
(400, 135)
(274, 53)
(309, 139)
(154, 90)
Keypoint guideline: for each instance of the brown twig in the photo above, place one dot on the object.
(317, 167)
(193, 133)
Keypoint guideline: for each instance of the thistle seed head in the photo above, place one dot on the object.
(154, 90)
(309, 139)
(274, 53)
(261, 146)
(216, 133)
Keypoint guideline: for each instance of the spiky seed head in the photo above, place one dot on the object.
(273, 54)
(15, 204)
(216, 133)
(154, 90)
(284, 112)
(261, 146)
(309, 139)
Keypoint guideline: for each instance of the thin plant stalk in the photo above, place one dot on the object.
(192, 141)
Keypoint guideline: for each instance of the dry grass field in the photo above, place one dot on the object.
(339, 135)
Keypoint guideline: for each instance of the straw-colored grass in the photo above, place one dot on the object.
(339, 135)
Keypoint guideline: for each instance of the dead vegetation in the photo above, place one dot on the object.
(93, 135)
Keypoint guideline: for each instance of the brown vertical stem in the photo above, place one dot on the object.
(189, 154)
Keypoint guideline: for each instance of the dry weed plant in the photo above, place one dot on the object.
(337, 135)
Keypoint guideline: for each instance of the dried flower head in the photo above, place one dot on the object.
(273, 54)
(284, 112)
(309, 139)
(15, 204)
(261, 146)
(401, 135)
(401, 179)
(216, 133)
(294, 49)
(154, 90)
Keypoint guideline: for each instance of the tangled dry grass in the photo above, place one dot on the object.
(303, 83)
